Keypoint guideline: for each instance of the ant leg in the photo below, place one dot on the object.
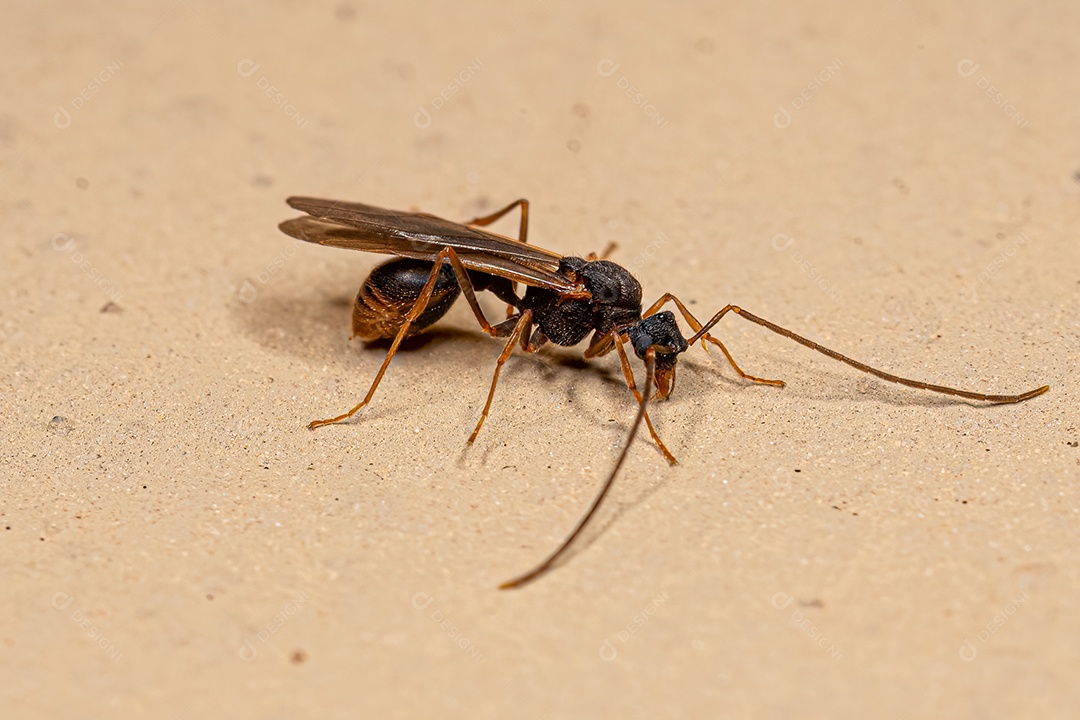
(469, 291)
(628, 373)
(522, 326)
(696, 326)
(863, 366)
(418, 308)
(488, 219)
(523, 233)
(549, 562)
(604, 255)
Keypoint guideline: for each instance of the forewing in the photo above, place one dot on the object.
(425, 228)
(388, 240)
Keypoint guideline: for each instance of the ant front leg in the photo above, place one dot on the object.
(422, 300)
(628, 373)
(696, 326)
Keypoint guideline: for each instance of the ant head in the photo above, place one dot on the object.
(661, 333)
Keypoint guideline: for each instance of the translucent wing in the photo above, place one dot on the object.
(356, 226)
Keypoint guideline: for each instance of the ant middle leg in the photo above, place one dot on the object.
(521, 328)
(696, 326)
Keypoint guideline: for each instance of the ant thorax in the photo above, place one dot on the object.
(615, 302)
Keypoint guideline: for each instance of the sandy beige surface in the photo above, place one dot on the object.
(895, 180)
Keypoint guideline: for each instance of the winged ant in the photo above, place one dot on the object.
(566, 299)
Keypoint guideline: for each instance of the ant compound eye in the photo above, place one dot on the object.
(642, 345)
(640, 339)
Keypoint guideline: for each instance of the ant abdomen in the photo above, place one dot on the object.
(392, 289)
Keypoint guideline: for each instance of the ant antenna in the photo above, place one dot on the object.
(650, 367)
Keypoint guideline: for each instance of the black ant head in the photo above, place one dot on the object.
(661, 333)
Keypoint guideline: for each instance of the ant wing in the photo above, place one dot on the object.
(480, 252)
(422, 226)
